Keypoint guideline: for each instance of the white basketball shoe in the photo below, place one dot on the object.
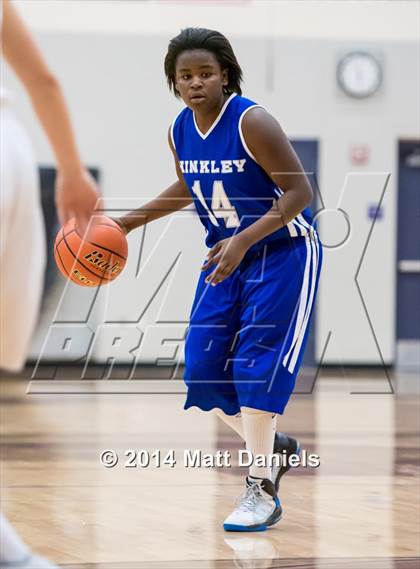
(31, 562)
(257, 508)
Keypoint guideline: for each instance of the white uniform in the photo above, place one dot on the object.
(22, 239)
(22, 261)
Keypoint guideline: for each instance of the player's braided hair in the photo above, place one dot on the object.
(201, 38)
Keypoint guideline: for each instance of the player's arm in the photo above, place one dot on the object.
(274, 153)
(174, 198)
(76, 191)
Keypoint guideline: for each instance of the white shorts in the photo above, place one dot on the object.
(22, 242)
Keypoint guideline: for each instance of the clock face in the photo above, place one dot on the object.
(359, 74)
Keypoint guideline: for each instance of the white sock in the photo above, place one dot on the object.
(12, 548)
(259, 428)
(233, 421)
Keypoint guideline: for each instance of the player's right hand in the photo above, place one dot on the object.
(76, 195)
(226, 255)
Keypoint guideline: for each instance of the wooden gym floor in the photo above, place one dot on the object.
(359, 509)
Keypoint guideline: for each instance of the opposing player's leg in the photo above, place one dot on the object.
(22, 259)
(12, 548)
(22, 245)
(14, 553)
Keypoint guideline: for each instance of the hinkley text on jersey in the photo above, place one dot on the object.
(212, 166)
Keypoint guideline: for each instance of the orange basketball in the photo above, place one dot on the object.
(93, 261)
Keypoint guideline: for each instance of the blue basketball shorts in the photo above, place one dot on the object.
(247, 335)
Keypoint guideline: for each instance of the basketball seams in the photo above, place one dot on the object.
(66, 235)
(71, 261)
(62, 264)
(101, 277)
(101, 246)
(66, 272)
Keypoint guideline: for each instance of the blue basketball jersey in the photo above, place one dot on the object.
(229, 188)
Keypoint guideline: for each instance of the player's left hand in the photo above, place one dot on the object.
(76, 195)
(226, 254)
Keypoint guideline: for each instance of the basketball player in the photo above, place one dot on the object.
(22, 230)
(250, 315)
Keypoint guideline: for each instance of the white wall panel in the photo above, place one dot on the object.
(395, 20)
(122, 108)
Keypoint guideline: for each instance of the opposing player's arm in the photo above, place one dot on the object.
(175, 197)
(29, 64)
(76, 191)
(273, 152)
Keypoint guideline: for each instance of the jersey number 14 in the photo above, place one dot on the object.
(221, 208)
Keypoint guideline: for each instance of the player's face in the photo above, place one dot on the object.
(199, 79)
